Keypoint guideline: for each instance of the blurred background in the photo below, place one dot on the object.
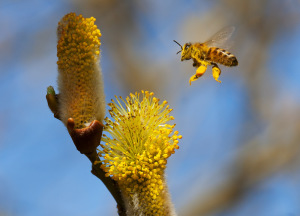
(241, 139)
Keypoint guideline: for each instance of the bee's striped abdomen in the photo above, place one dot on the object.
(218, 55)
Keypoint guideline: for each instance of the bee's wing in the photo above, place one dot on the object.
(220, 39)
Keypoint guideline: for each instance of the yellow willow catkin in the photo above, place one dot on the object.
(135, 155)
(79, 79)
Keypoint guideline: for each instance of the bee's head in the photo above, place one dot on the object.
(185, 51)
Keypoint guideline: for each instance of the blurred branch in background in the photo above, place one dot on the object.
(260, 22)
(274, 151)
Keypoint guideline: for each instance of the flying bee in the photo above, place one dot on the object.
(209, 53)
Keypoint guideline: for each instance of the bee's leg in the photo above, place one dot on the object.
(193, 78)
(196, 63)
(216, 72)
(199, 72)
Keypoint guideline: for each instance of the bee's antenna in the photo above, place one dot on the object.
(179, 45)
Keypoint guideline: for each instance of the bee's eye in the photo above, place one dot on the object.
(187, 46)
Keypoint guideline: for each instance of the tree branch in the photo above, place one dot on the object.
(86, 141)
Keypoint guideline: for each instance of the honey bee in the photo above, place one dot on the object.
(209, 53)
